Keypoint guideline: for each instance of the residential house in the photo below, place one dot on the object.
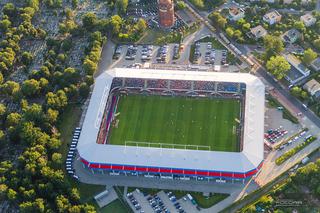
(298, 71)
(313, 87)
(272, 17)
(316, 64)
(308, 19)
(287, 1)
(291, 36)
(236, 13)
(257, 32)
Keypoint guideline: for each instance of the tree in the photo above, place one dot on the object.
(9, 9)
(75, 3)
(30, 87)
(84, 90)
(12, 194)
(75, 195)
(316, 43)
(26, 58)
(13, 119)
(89, 20)
(229, 32)
(56, 158)
(62, 203)
(299, 25)
(141, 25)
(52, 115)
(89, 66)
(115, 24)
(218, 19)
(5, 25)
(57, 100)
(273, 45)
(180, 5)
(122, 6)
(198, 3)
(308, 56)
(2, 138)
(3, 110)
(296, 91)
(1, 78)
(278, 66)
(11, 88)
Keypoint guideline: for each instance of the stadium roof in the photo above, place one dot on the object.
(237, 162)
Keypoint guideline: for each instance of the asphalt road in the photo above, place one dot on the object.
(308, 113)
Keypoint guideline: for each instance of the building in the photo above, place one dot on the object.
(298, 71)
(167, 162)
(287, 1)
(236, 13)
(272, 17)
(291, 36)
(313, 87)
(257, 32)
(308, 19)
(166, 13)
(316, 64)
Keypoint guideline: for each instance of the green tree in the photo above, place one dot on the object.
(11, 88)
(141, 25)
(9, 9)
(57, 100)
(12, 194)
(180, 5)
(299, 25)
(56, 158)
(273, 45)
(115, 24)
(52, 115)
(84, 90)
(1, 78)
(316, 43)
(30, 87)
(89, 20)
(278, 66)
(308, 56)
(229, 32)
(122, 6)
(5, 24)
(3, 111)
(75, 3)
(26, 58)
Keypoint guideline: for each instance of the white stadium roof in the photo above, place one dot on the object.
(237, 162)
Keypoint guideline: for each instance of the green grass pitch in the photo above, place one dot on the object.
(177, 120)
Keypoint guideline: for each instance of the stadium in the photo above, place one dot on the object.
(174, 125)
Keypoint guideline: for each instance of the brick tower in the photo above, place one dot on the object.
(166, 13)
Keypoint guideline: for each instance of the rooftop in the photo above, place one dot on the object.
(258, 31)
(272, 15)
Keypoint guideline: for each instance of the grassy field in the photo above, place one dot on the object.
(114, 207)
(178, 120)
(68, 121)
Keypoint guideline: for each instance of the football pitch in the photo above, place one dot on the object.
(177, 120)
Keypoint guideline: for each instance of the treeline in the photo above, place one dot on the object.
(35, 181)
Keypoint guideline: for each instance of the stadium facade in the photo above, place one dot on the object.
(103, 157)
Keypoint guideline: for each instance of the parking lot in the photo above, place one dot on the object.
(136, 55)
(143, 55)
(161, 202)
(205, 54)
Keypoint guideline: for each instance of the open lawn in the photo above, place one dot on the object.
(177, 120)
(69, 120)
